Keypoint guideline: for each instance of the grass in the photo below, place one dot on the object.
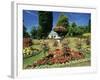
(87, 63)
(31, 60)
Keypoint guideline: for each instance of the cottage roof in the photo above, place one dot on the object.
(53, 33)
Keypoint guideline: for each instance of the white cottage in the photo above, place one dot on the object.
(53, 35)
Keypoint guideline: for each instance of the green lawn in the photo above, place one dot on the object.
(31, 60)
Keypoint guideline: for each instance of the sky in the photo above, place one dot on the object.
(30, 18)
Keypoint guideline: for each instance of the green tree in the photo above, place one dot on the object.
(39, 32)
(78, 31)
(63, 21)
(70, 31)
(25, 33)
(33, 33)
(74, 25)
(45, 21)
(74, 30)
(89, 26)
(62, 25)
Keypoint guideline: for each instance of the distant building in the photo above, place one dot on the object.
(53, 35)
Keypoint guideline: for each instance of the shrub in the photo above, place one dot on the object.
(28, 52)
(27, 42)
(36, 42)
(86, 35)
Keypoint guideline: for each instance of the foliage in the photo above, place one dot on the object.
(36, 42)
(29, 51)
(45, 21)
(74, 30)
(33, 33)
(89, 26)
(39, 33)
(74, 25)
(70, 42)
(70, 31)
(27, 42)
(61, 26)
(62, 21)
(25, 33)
(86, 35)
(74, 63)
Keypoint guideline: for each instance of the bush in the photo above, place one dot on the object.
(86, 35)
(28, 52)
(36, 42)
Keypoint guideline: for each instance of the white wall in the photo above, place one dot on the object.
(5, 41)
